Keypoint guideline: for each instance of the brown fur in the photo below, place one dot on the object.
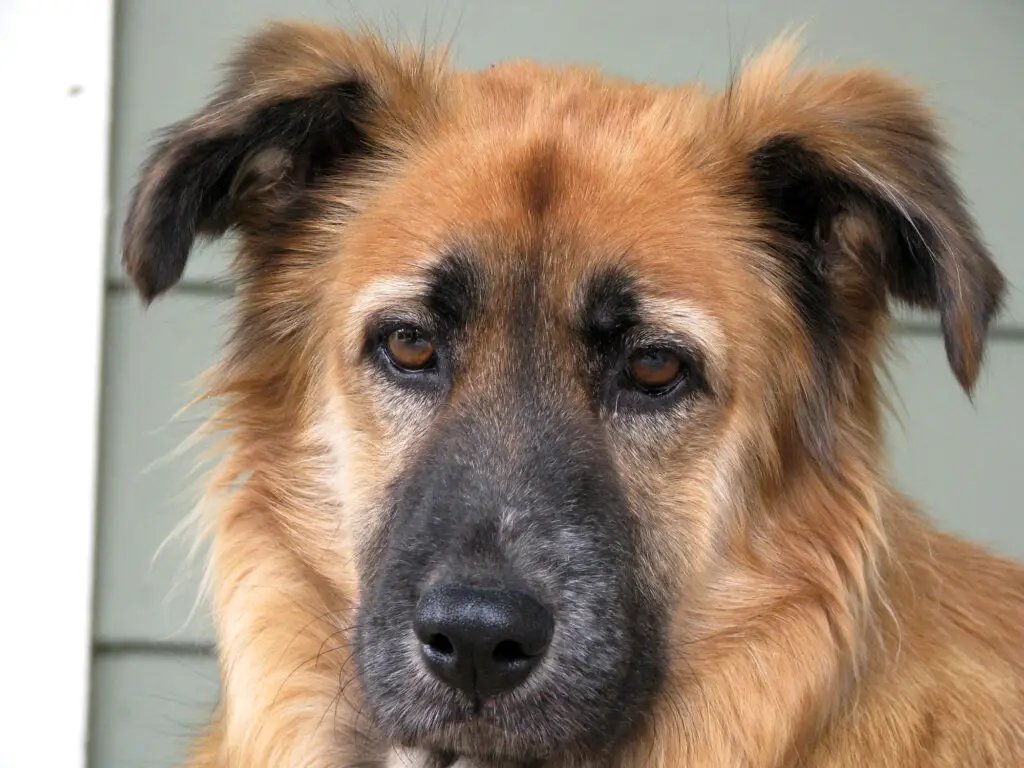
(819, 620)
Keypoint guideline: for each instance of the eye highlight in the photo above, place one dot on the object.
(655, 371)
(409, 349)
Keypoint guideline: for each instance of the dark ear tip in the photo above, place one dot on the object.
(152, 274)
(966, 350)
(145, 300)
(146, 294)
(967, 381)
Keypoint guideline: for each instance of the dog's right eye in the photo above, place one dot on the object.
(409, 349)
(655, 371)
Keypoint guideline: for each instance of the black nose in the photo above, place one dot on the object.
(482, 640)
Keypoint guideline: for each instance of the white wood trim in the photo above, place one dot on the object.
(55, 81)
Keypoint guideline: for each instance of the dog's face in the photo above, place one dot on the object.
(531, 383)
(521, 353)
(529, 386)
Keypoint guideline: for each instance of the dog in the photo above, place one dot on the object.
(551, 416)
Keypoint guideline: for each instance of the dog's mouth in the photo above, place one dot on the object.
(474, 744)
(453, 760)
(448, 759)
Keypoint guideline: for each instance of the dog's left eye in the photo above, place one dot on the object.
(409, 349)
(656, 371)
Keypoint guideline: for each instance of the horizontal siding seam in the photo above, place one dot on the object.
(153, 648)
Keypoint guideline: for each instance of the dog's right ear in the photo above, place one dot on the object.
(299, 102)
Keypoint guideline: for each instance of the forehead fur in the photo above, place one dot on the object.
(556, 175)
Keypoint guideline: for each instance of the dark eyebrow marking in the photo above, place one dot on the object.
(610, 309)
(455, 290)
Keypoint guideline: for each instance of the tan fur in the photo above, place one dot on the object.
(820, 621)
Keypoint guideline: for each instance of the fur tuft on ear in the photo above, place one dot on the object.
(299, 103)
(831, 153)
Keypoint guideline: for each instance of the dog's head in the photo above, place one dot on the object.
(520, 354)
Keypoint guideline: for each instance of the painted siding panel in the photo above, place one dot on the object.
(148, 708)
(963, 462)
(146, 489)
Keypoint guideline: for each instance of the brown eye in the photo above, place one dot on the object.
(409, 349)
(655, 370)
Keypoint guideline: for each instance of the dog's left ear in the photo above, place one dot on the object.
(861, 150)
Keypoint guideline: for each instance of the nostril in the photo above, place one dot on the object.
(441, 645)
(509, 652)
